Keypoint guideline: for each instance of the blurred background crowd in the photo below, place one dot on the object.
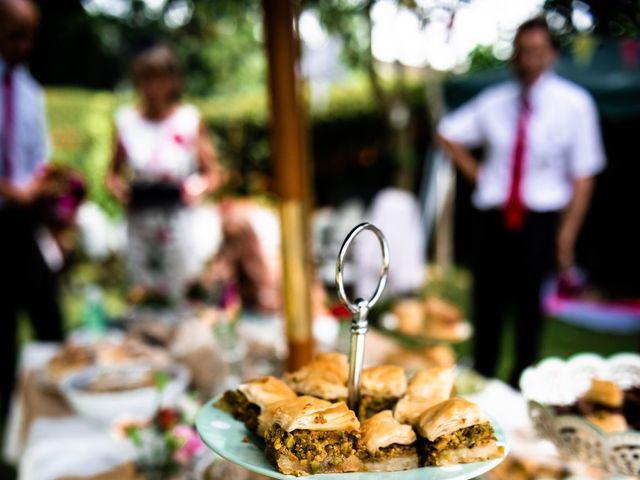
(137, 180)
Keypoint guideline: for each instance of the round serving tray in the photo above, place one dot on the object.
(231, 440)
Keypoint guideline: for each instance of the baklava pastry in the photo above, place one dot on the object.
(386, 445)
(69, 359)
(325, 377)
(380, 388)
(604, 393)
(457, 431)
(608, 422)
(432, 382)
(309, 436)
(410, 407)
(251, 398)
(412, 360)
(427, 388)
(436, 309)
(410, 315)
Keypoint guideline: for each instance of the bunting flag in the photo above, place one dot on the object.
(629, 50)
(584, 46)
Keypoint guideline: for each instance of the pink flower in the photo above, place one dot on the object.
(191, 443)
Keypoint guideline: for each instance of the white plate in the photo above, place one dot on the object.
(107, 407)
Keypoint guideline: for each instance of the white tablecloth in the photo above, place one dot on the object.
(57, 447)
(33, 356)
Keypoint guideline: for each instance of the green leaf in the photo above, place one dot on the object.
(161, 380)
(133, 434)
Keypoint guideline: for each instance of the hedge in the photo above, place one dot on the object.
(80, 123)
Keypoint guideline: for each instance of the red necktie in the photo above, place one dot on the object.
(6, 168)
(514, 208)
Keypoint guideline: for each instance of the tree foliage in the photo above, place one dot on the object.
(611, 17)
(220, 44)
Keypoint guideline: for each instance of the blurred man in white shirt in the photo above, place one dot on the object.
(542, 144)
(25, 279)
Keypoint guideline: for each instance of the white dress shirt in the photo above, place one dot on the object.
(30, 142)
(563, 141)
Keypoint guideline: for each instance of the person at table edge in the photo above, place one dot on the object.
(25, 279)
(543, 147)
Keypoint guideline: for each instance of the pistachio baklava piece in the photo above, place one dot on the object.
(251, 398)
(386, 445)
(438, 381)
(380, 388)
(325, 377)
(309, 435)
(427, 388)
(457, 431)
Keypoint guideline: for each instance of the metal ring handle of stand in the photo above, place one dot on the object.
(353, 308)
(359, 308)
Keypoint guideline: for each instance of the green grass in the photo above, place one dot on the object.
(562, 339)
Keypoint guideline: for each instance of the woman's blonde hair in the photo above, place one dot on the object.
(157, 60)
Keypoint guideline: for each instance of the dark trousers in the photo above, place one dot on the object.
(26, 284)
(508, 270)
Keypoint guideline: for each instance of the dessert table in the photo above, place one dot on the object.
(47, 441)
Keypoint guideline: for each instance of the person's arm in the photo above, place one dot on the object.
(586, 159)
(18, 195)
(115, 180)
(458, 131)
(461, 157)
(208, 178)
(39, 154)
(571, 221)
(208, 158)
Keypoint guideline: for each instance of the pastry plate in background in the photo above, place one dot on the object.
(230, 439)
(460, 332)
(557, 382)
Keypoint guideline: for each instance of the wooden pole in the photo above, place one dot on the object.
(288, 150)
